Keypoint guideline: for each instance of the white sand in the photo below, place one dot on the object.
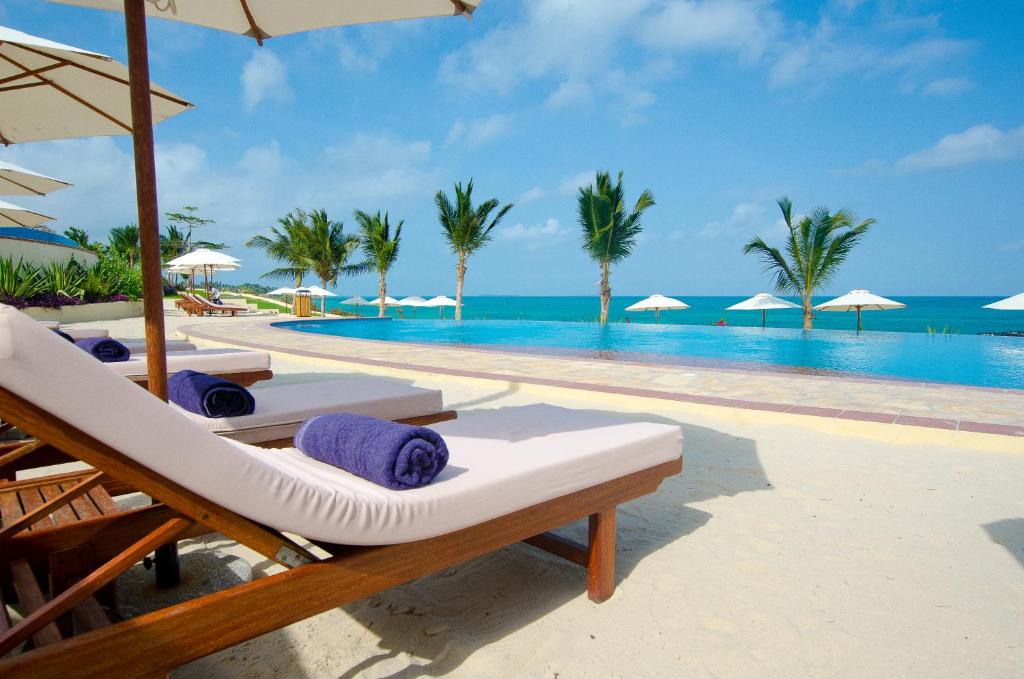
(793, 549)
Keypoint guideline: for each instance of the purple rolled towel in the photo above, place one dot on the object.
(209, 395)
(104, 348)
(61, 333)
(393, 455)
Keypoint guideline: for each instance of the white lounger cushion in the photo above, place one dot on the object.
(138, 347)
(280, 410)
(85, 333)
(214, 361)
(500, 462)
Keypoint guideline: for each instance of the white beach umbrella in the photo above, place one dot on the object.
(317, 291)
(1015, 303)
(762, 302)
(282, 291)
(440, 302)
(413, 301)
(13, 215)
(261, 19)
(860, 300)
(656, 303)
(56, 91)
(204, 261)
(17, 181)
(388, 301)
(354, 301)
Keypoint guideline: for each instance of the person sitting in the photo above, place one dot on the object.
(215, 296)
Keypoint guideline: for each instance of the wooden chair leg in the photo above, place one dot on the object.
(601, 556)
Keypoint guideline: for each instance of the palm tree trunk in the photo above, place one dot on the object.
(808, 314)
(323, 300)
(383, 290)
(460, 273)
(606, 291)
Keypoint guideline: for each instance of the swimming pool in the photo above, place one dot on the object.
(960, 359)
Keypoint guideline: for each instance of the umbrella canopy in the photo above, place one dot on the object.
(860, 300)
(440, 302)
(316, 291)
(282, 291)
(17, 181)
(413, 301)
(762, 302)
(354, 301)
(388, 301)
(261, 19)
(204, 258)
(13, 215)
(55, 91)
(1015, 303)
(656, 303)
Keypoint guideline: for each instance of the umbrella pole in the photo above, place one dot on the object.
(657, 316)
(764, 318)
(167, 570)
(859, 326)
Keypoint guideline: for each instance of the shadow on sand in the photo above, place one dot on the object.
(443, 619)
(1010, 534)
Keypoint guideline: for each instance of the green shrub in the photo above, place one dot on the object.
(19, 280)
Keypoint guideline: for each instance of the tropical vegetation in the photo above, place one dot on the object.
(111, 279)
(609, 233)
(816, 247)
(466, 228)
(380, 246)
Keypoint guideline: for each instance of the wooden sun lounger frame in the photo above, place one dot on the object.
(157, 642)
(194, 304)
(245, 378)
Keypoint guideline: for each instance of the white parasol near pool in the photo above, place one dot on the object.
(762, 302)
(657, 303)
(413, 301)
(14, 215)
(860, 300)
(282, 291)
(388, 301)
(317, 291)
(17, 181)
(441, 301)
(1015, 303)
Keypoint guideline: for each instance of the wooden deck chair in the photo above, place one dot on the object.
(211, 308)
(513, 475)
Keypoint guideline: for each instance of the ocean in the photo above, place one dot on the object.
(954, 315)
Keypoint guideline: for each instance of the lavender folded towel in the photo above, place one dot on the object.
(61, 333)
(393, 455)
(209, 395)
(104, 348)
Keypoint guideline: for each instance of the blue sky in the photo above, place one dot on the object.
(908, 112)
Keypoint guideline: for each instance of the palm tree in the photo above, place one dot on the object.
(815, 248)
(287, 244)
(466, 228)
(124, 241)
(79, 236)
(380, 247)
(609, 233)
(328, 250)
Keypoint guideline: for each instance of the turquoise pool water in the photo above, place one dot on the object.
(960, 359)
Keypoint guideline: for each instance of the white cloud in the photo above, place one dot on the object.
(1016, 246)
(480, 131)
(535, 235)
(530, 195)
(362, 49)
(571, 185)
(264, 78)
(947, 87)
(744, 27)
(980, 143)
(745, 218)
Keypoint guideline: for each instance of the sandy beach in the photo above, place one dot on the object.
(789, 547)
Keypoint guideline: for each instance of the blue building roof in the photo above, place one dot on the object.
(35, 234)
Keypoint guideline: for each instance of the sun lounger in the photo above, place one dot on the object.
(138, 347)
(281, 409)
(513, 474)
(206, 306)
(238, 365)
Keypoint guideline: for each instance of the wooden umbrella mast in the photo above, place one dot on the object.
(167, 567)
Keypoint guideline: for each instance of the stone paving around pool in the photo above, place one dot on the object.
(942, 406)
